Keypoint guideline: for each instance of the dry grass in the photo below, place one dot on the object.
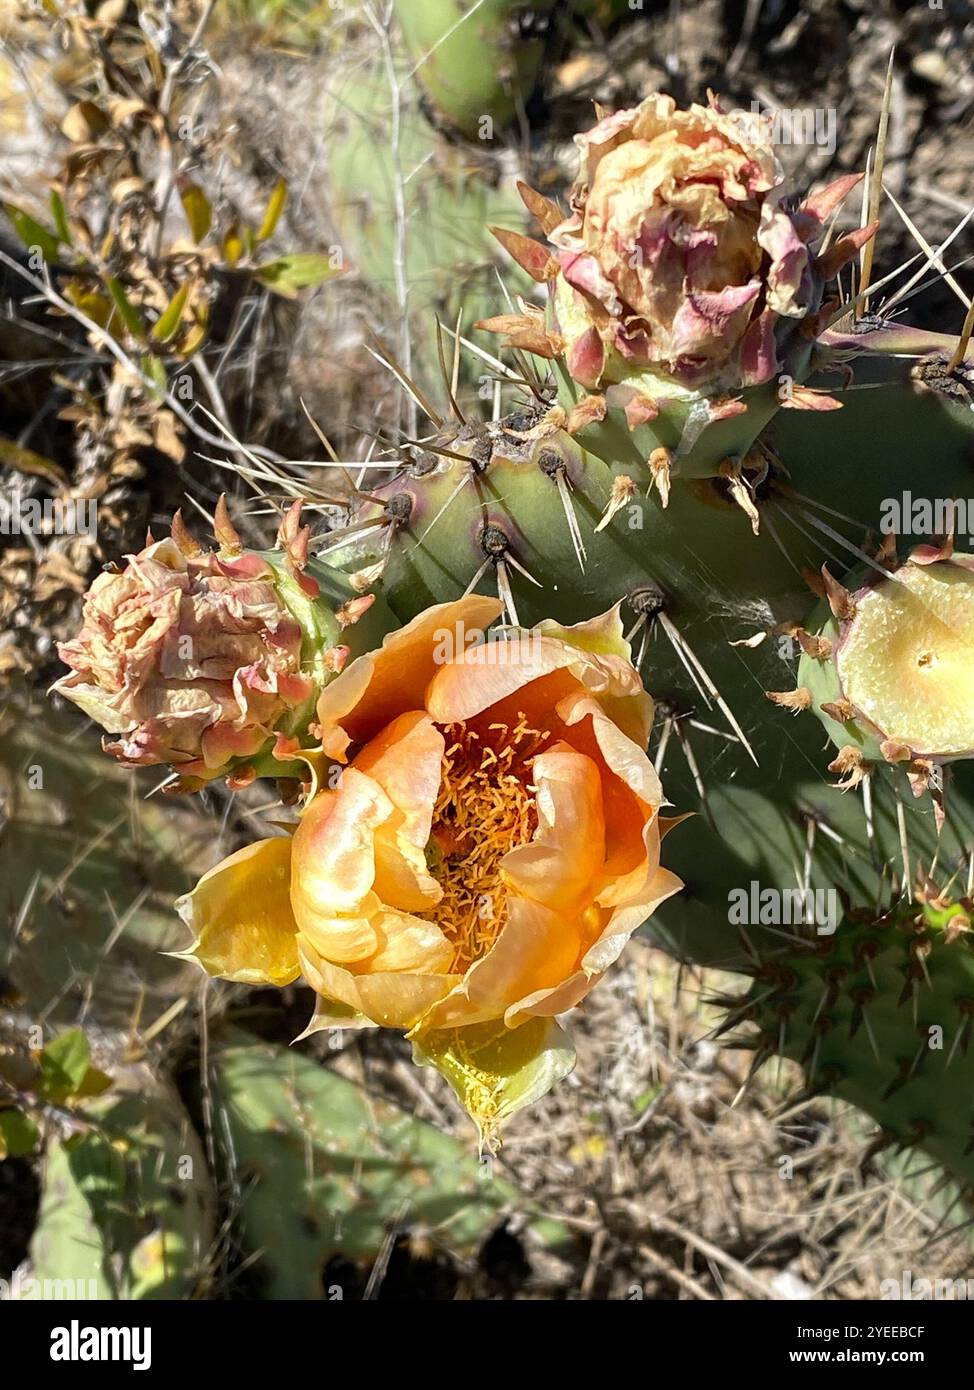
(678, 1183)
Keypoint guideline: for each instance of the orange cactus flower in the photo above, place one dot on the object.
(490, 842)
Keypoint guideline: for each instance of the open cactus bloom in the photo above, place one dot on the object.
(490, 842)
(682, 275)
(204, 660)
(889, 664)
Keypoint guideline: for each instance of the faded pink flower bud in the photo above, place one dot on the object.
(680, 257)
(682, 284)
(199, 659)
(679, 252)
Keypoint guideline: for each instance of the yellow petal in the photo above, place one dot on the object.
(392, 999)
(603, 635)
(329, 1014)
(333, 869)
(241, 917)
(496, 1070)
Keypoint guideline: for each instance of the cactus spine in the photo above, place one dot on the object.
(741, 543)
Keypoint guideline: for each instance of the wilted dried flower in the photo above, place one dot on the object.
(199, 659)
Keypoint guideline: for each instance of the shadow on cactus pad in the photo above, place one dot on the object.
(326, 1176)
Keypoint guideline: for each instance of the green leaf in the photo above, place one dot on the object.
(127, 311)
(18, 1134)
(167, 324)
(154, 368)
(275, 207)
(33, 233)
(58, 212)
(95, 1083)
(199, 213)
(64, 1065)
(233, 245)
(288, 274)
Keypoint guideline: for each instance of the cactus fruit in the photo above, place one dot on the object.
(887, 663)
(212, 661)
(321, 1170)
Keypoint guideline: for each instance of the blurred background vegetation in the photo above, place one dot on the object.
(222, 221)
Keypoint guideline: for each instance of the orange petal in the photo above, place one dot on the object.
(562, 866)
(351, 939)
(409, 943)
(615, 679)
(380, 685)
(631, 791)
(593, 653)
(537, 949)
(482, 676)
(241, 916)
(406, 761)
(335, 877)
(603, 952)
(603, 935)
(334, 859)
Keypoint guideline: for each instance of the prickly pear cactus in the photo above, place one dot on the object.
(413, 213)
(687, 483)
(89, 872)
(476, 66)
(321, 1171)
(745, 530)
(128, 1208)
(880, 1015)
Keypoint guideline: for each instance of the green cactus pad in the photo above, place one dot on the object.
(127, 1210)
(322, 1169)
(88, 864)
(881, 1015)
(474, 62)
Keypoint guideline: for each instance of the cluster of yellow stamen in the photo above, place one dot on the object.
(485, 808)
